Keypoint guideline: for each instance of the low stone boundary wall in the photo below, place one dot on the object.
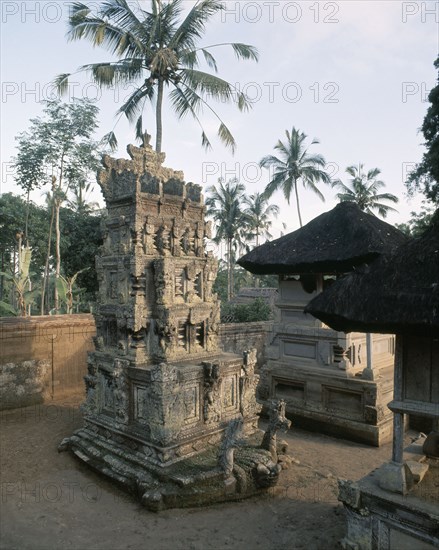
(46, 357)
(43, 357)
(239, 337)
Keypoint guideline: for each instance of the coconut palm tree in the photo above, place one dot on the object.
(363, 189)
(158, 50)
(224, 207)
(295, 164)
(259, 212)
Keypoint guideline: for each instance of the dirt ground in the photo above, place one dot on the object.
(50, 500)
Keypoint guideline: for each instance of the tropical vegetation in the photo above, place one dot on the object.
(295, 165)
(224, 206)
(58, 151)
(363, 189)
(259, 214)
(80, 238)
(158, 50)
(425, 177)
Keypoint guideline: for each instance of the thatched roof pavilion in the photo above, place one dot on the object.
(397, 294)
(334, 242)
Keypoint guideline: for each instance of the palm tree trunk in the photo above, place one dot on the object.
(229, 269)
(297, 202)
(158, 117)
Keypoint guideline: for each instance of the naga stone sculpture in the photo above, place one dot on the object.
(160, 393)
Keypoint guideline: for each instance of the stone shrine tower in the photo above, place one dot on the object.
(159, 389)
(155, 278)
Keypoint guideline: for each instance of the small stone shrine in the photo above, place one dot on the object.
(331, 381)
(397, 505)
(167, 414)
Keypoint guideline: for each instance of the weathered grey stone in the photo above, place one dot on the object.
(417, 469)
(160, 393)
(396, 477)
(23, 383)
(322, 374)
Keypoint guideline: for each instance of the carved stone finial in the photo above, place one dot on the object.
(146, 138)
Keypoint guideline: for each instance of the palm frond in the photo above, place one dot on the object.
(185, 102)
(133, 105)
(210, 60)
(139, 128)
(110, 140)
(78, 13)
(101, 33)
(120, 12)
(205, 141)
(226, 137)
(245, 51)
(269, 161)
(116, 72)
(61, 83)
(194, 23)
(189, 58)
(387, 197)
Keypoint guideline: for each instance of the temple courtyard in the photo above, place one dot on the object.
(53, 500)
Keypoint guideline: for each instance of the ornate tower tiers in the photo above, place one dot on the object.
(160, 392)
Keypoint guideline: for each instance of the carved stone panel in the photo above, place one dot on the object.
(230, 393)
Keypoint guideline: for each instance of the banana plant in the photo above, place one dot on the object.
(21, 284)
(65, 289)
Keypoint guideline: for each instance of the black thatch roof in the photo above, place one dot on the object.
(396, 294)
(334, 242)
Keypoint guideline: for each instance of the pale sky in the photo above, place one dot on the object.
(354, 74)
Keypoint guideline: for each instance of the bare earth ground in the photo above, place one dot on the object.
(50, 500)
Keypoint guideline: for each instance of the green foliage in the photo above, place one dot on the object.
(268, 281)
(231, 222)
(22, 296)
(295, 164)
(363, 190)
(258, 213)
(80, 240)
(12, 222)
(60, 148)
(425, 177)
(257, 310)
(58, 145)
(419, 221)
(220, 286)
(67, 290)
(158, 50)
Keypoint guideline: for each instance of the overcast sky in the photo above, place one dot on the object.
(354, 74)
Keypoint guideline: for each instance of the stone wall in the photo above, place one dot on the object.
(41, 357)
(239, 337)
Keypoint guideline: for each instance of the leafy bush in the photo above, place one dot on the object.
(258, 310)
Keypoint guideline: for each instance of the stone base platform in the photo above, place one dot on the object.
(194, 481)
(344, 428)
(332, 401)
(381, 520)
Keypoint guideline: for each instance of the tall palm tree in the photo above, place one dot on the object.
(158, 49)
(363, 189)
(294, 164)
(224, 207)
(259, 213)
